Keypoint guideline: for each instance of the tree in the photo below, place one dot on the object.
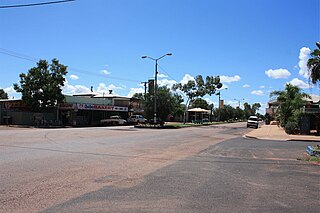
(255, 108)
(247, 110)
(41, 87)
(3, 94)
(227, 113)
(168, 103)
(251, 110)
(200, 103)
(314, 65)
(290, 103)
(198, 88)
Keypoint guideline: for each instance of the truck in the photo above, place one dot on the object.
(136, 119)
(113, 120)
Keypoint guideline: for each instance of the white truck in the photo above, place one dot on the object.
(113, 120)
(135, 119)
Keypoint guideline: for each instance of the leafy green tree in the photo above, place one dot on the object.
(247, 110)
(3, 94)
(198, 88)
(250, 110)
(290, 103)
(239, 114)
(41, 86)
(227, 113)
(200, 103)
(167, 103)
(255, 108)
(314, 65)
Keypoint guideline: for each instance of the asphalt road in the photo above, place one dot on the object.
(124, 169)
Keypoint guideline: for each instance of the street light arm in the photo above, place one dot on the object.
(156, 59)
(168, 54)
(145, 56)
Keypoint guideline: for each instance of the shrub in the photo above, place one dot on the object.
(291, 127)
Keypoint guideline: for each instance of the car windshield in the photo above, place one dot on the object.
(253, 119)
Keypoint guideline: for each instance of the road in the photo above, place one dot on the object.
(125, 169)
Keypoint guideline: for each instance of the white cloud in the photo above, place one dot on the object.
(104, 89)
(186, 78)
(257, 92)
(234, 104)
(246, 86)
(262, 87)
(229, 79)
(303, 59)
(68, 89)
(105, 72)
(299, 83)
(278, 73)
(74, 77)
(166, 82)
(135, 90)
(12, 94)
(162, 75)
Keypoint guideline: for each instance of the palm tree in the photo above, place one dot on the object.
(314, 65)
(290, 103)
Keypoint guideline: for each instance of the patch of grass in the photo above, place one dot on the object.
(314, 159)
(310, 158)
(181, 125)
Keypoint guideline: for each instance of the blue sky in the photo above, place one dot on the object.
(256, 46)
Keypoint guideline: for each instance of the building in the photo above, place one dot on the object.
(311, 118)
(76, 110)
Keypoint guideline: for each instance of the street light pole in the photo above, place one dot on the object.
(155, 83)
(219, 108)
(155, 92)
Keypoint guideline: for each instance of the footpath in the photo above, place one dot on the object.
(273, 132)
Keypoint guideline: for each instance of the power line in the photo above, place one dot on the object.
(18, 55)
(166, 73)
(33, 59)
(35, 4)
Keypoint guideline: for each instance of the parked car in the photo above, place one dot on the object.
(253, 121)
(113, 120)
(136, 119)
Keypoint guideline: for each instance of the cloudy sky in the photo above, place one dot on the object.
(255, 46)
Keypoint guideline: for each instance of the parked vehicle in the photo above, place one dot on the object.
(159, 122)
(113, 120)
(253, 122)
(136, 119)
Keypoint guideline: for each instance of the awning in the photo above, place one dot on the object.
(199, 110)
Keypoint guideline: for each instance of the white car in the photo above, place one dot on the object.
(253, 121)
(136, 119)
(113, 120)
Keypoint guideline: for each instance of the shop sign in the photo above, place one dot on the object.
(92, 107)
(12, 105)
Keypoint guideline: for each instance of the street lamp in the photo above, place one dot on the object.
(155, 82)
(239, 102)
(219, 93)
